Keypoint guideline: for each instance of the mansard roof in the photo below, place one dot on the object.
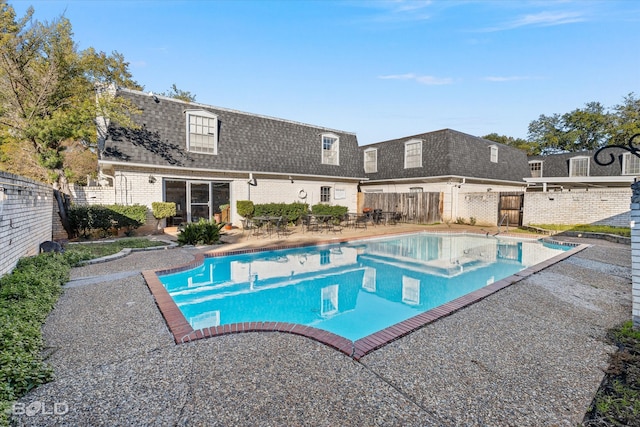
(246, 142)
(450, 153)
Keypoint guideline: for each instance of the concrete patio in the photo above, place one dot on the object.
(529, 355)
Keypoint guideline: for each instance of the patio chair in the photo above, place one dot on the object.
(282, 227)
(361, 221)
(310, 223)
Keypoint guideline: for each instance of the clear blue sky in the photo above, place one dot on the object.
(381, 69)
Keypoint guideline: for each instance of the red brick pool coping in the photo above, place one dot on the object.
(183, 332)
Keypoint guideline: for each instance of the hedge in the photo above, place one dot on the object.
(86, 220)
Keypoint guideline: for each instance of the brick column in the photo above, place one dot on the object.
(635, 252)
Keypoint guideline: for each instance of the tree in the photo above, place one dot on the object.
(522, 144)
(182, 95)
(48, 94)
(587, 128)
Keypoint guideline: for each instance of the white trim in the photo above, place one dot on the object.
(335, 148)
(458, 179)
(375, 166)
(200, 113)
(412, 142)
(227, 171)
(541, 162)
(571, 167)
(493, 155)
(581, 179)
(625, 163)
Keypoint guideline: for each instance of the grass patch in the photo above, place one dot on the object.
(589, 228)
(86, 251)
(617, 402)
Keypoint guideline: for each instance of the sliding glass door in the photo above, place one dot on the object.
(195, 200)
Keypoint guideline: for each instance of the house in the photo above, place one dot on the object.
(470, 172)
(571, 188)
(202, 157)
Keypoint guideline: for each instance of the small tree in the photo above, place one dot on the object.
(162, 210)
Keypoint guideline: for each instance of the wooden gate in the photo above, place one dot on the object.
(423, 208)
(510, 209)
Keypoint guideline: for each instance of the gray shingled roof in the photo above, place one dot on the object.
(450, 153)
(557, 165)
(247, 142)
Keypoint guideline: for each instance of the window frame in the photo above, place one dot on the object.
(572, 166)
(373, 169)
(325, 194)
(625, 164)
(407, 144)
(325, 158)
(493, 155)
(536, 162)
(203, 114)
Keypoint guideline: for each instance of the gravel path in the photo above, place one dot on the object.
(530, 355)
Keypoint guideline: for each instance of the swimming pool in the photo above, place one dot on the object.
(351, 289)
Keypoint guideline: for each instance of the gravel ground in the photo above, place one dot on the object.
(530, 355)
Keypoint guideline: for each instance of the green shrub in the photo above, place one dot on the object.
(202, 232)
(460, 220)
(27, 295)
(245, 208)
(87, 219)
(472, 220)
(337, 211)
(162, 210)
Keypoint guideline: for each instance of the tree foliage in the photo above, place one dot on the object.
(587, 128)
(48, 95)
(531, 148)
(183, 95)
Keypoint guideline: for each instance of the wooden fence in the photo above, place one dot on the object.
(423, 208)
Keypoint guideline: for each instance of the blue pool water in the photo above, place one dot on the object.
(352, 289)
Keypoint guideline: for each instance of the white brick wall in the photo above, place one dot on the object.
(133, 187)
(26, 209)
(607, 207)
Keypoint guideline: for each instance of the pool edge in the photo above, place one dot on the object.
(182, 331)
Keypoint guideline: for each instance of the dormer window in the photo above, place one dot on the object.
(202, 132)
(630, 164)
(371, 160)
(535, 167)
(330, 149)
(413, 154)
(579, 166)
(494, 153)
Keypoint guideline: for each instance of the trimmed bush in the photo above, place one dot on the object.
(162, 210)
(245, 208)
(337, 211)
(88, 219)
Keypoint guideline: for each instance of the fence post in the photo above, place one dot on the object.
(635, 253)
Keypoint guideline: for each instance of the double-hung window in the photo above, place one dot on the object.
(630, 164)
(535, 167)
(579, 166)
(330, 149)
(371, 160)
(413, 154)
(494, 153)
(202, 132)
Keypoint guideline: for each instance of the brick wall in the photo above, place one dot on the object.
(606, 207)
(481, 206)
(26, 209)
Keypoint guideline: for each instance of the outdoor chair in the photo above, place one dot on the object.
(310, 223)
(361, 221)
(282, 226)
